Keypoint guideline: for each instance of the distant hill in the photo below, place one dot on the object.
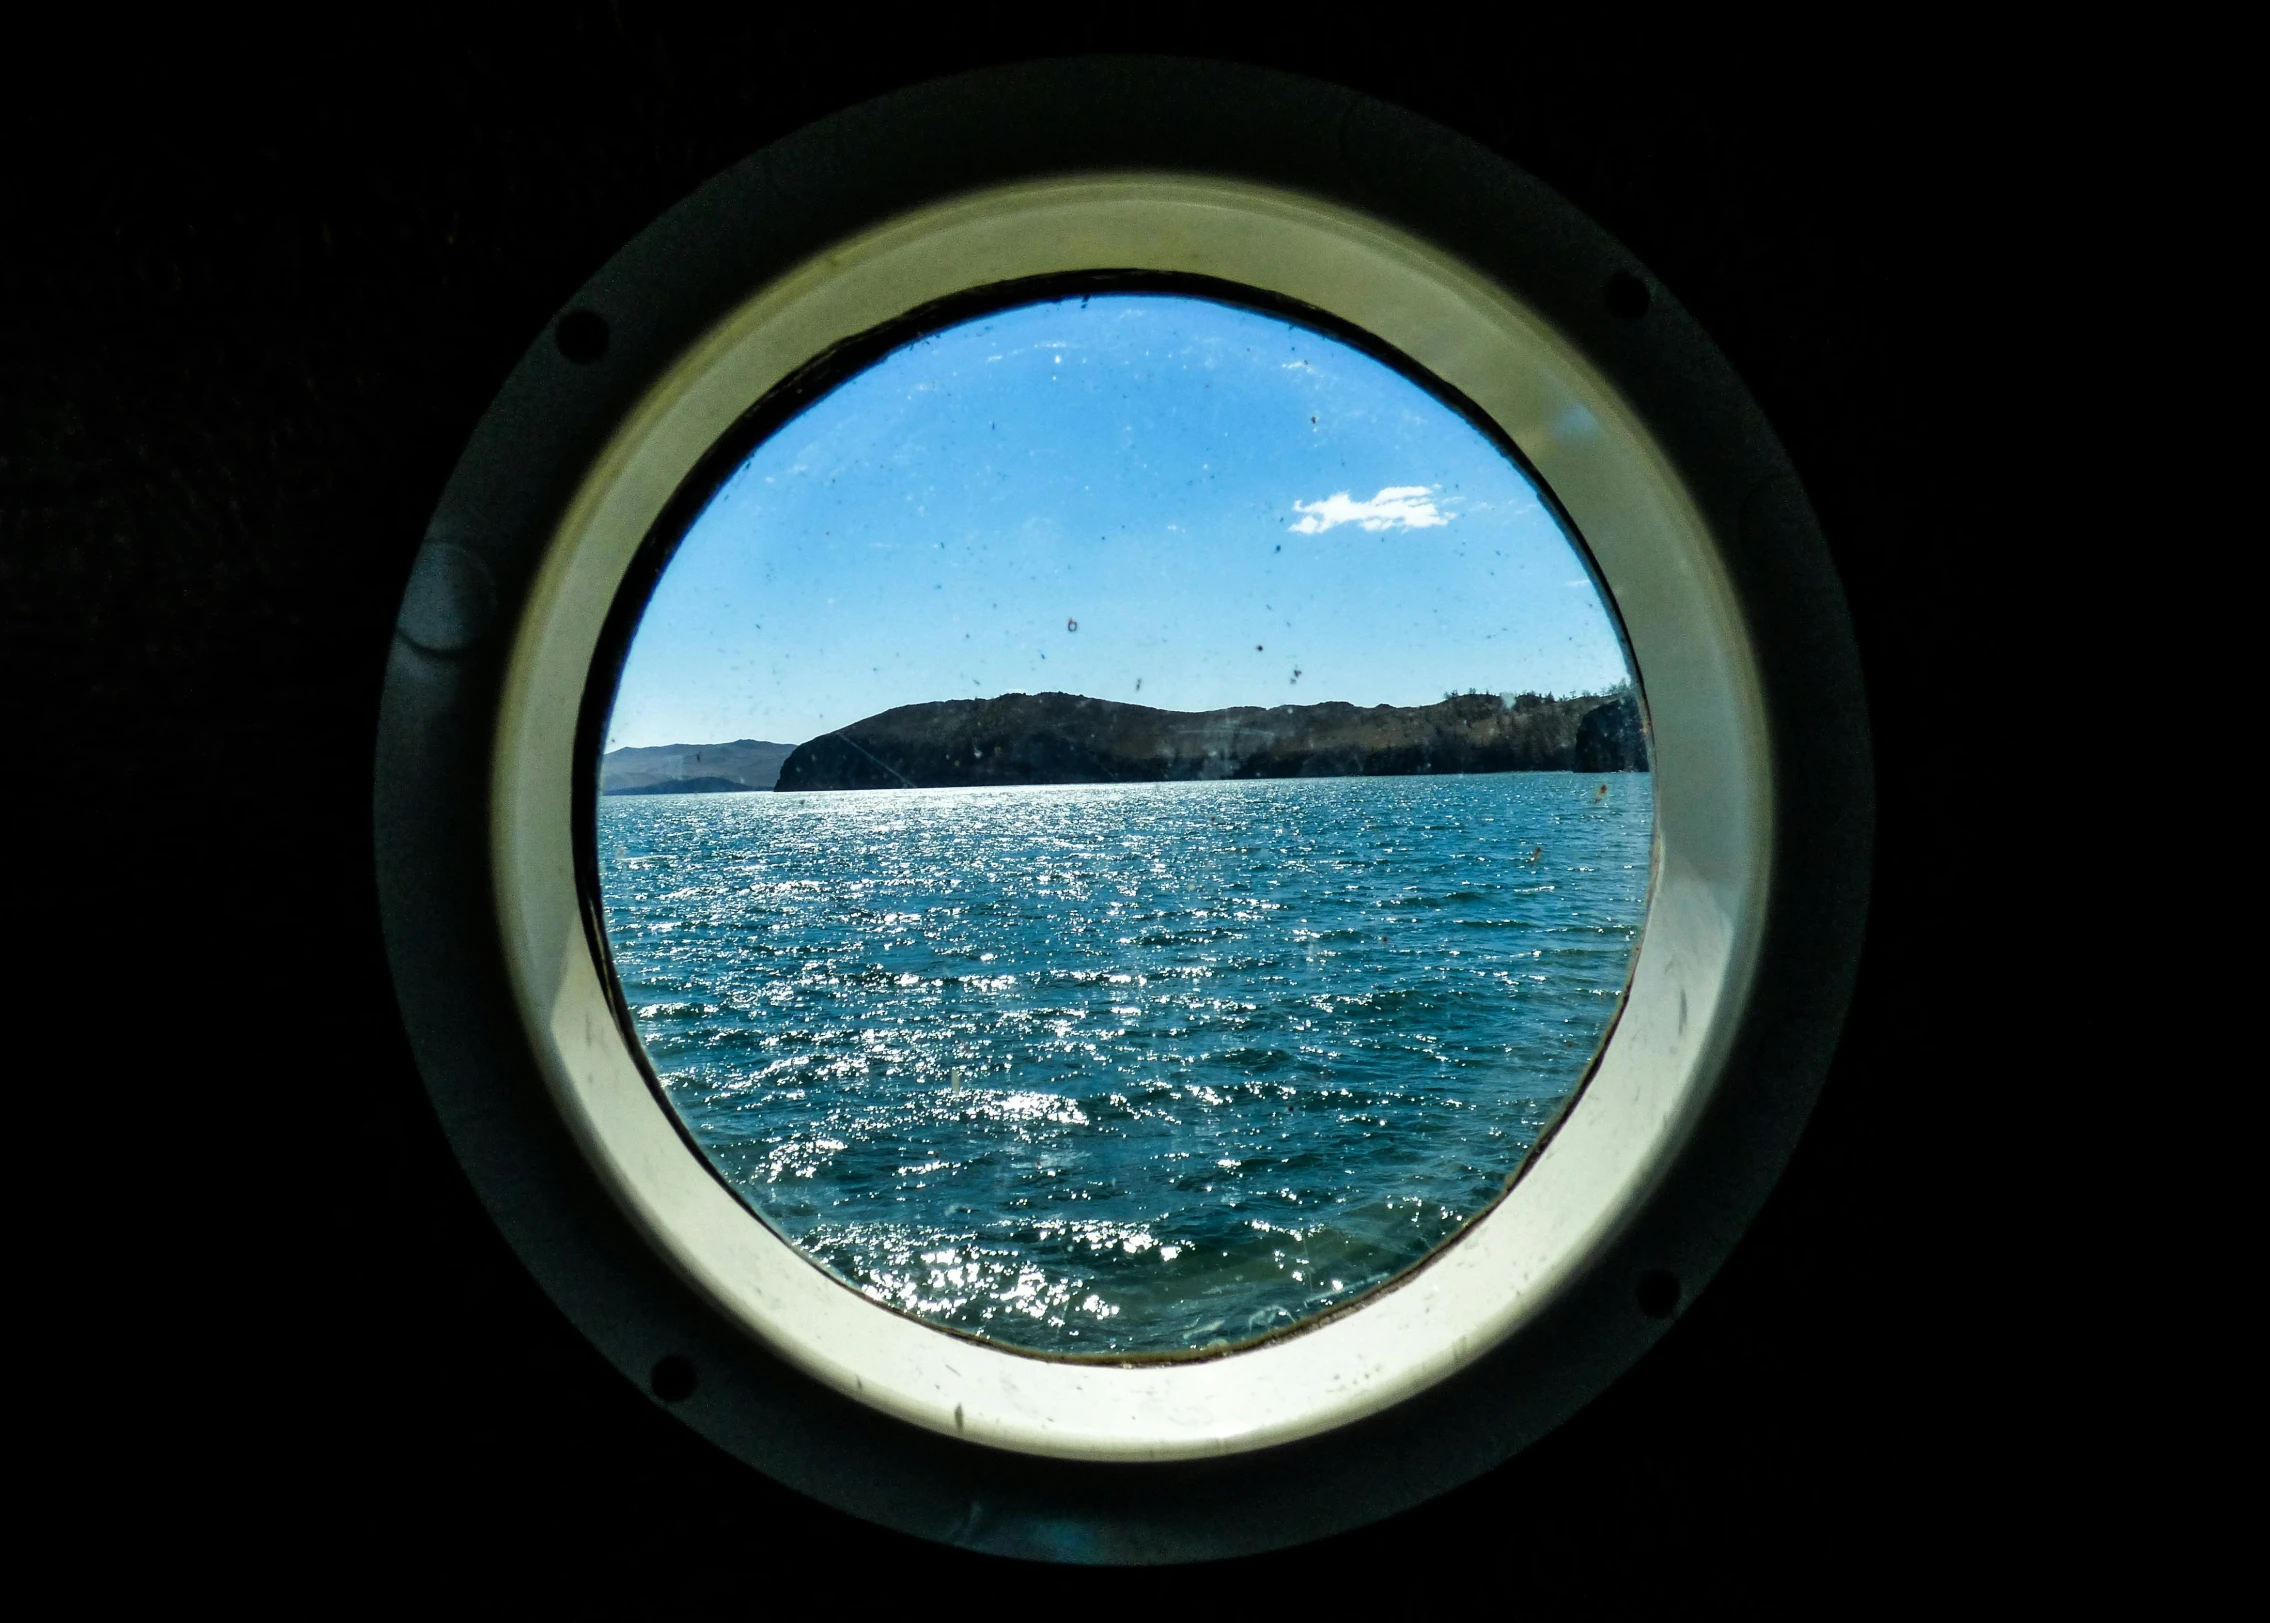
(1031, 738)
(689, 769)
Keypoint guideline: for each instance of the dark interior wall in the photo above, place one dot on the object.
(253, 308)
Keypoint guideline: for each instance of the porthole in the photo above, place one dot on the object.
(1088, 985)
(875, 1122)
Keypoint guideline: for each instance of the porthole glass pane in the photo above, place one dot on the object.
(1123, 824)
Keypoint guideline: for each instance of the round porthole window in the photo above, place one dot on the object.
(1116, 790)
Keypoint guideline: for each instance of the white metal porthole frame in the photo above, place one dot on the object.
(1713, 816)
(1651, 1172)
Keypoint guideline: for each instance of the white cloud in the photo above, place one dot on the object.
(1398, 507)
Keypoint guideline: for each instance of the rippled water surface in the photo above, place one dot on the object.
(1126, 1068)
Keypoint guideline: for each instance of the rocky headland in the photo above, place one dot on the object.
(1036, 738)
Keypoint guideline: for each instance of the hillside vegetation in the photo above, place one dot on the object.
(1034, 738)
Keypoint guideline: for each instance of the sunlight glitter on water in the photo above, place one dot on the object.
(1126, 1068)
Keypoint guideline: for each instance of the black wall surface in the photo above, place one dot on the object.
(258, 290)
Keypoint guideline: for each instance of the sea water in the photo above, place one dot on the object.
(1130, 1068)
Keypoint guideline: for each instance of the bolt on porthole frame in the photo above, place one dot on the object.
(1311, 197)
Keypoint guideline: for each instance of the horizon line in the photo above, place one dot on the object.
(1503, 695)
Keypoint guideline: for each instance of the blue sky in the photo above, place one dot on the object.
(1138, 497)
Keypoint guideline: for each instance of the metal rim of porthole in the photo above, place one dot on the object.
(1309, 196)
